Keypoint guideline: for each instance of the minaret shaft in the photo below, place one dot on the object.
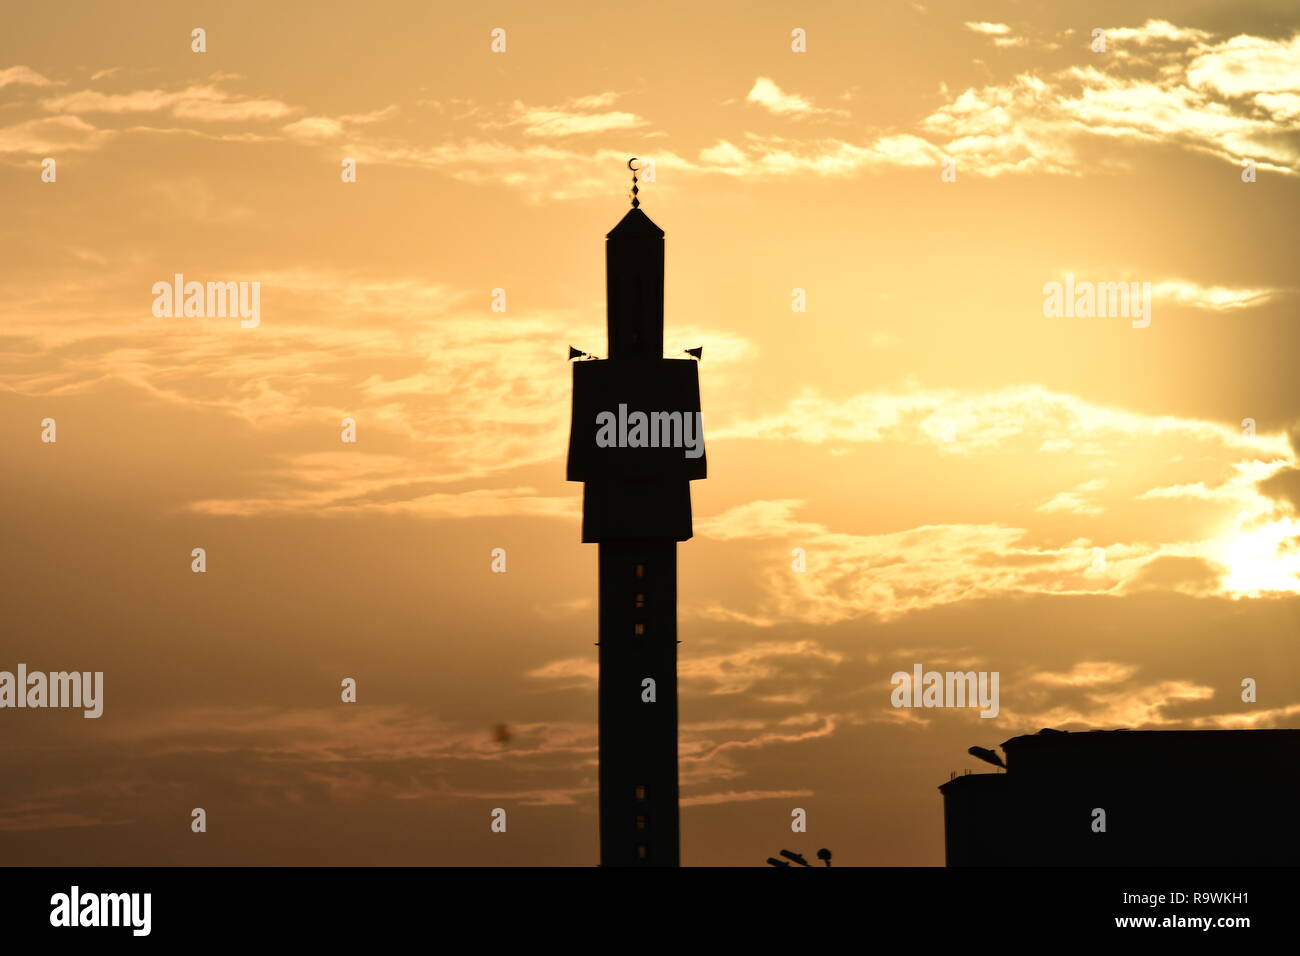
(638, 740)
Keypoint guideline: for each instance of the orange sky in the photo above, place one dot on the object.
(950, 458)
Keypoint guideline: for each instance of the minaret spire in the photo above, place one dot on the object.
(634, 283)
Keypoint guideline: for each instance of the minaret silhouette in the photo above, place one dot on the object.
(636, 506)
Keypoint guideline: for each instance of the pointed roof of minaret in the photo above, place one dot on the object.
(635, 223)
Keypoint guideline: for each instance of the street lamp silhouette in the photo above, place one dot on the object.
(823, 854)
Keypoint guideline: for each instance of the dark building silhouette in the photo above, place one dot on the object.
(1171, 798)
(636, 507)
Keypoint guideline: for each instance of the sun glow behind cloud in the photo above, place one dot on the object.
(1265, 559)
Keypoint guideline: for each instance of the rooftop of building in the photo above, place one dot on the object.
(1272, 754)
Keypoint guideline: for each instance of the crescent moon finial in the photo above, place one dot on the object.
(635, 202)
